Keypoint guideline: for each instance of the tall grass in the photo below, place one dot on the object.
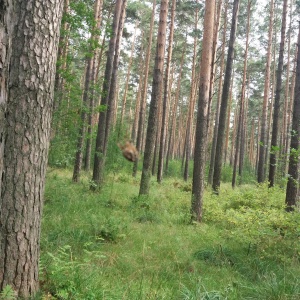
(115, 245)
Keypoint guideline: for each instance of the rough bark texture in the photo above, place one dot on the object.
(263, 135)
(202, 117)
(93, 75)
(156, 90)
(275, 126)
(190, 115)
(222, 63)
(293, 179)
(5, 49)
(142, 112)
(30, 98)
(239, 150)
(224, 101)
(167, 85)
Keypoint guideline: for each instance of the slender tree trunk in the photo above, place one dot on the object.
(290, 110)
(233, 135)
(293, 179)
(128, 76)
(237, 148)
(202, 117)
(142, 112)
(287, 103)
(34, 28)
(174, 112)
(190, 115)
(62, 59)
(214, 56)
(224, 102)
(87, 102)
(275, 127)
(156, 90)
(114, 81)
(93, 75)
(82, 127)
(165, 111)
(263, 134)
(106, 94)
(138, 100)
(240, 141)
(216, 125)
(228, 123)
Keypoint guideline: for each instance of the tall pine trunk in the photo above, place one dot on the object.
(142, 112)
(240, 133)
(275, 127)
(106, 94)
(166, 100)
(263, 134)
(293, 171)
(224, 101)
(202, 117)
(215, 131)
(33, 27)
(155, 95)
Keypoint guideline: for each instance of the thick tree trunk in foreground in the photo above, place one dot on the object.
(202, 117)
(293, 179)
(31, 77)
(156, 90)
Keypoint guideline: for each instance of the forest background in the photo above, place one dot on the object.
(169, 221)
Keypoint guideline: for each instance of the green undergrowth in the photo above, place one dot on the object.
(113, 244)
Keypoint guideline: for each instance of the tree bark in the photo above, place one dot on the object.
(82, 127)
(5, 53)
(202, 117)
(263, 134)
(165, 111)
(100, 139)
(155, 95)
(275, 127)
(191, 110)
(35, 29)
(62, 58)
(293, 179)
(224, 101)
(216, 125)
(95, 38)
(142, 111)
(240, 132)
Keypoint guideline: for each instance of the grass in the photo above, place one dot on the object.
(115, 245)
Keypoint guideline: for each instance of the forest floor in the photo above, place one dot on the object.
(115, 245)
